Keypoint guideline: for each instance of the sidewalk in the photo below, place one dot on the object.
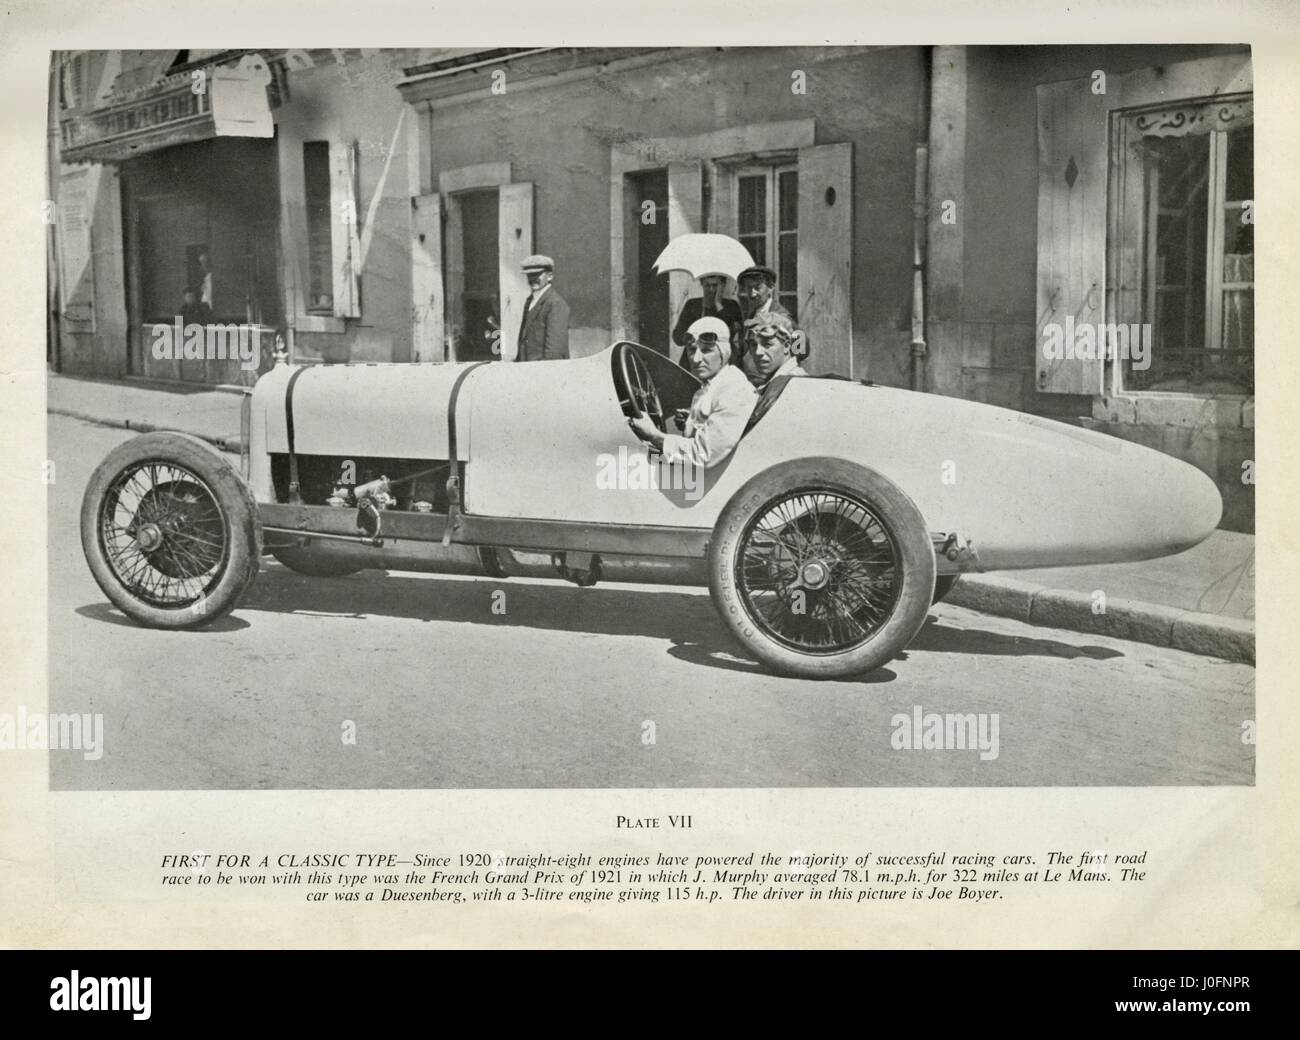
(1202, 600)
(210, 414)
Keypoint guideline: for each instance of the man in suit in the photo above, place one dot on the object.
(711, 304)
(544, 330)
(757, 292)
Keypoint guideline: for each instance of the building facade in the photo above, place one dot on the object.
(258, 190)
(1096, 187)
(955, 219)
(1063, 230)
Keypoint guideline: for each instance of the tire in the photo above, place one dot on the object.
(302, 560)
(170, 531)
(851, 541)
(943, 585)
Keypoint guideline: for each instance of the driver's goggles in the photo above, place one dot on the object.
(767, 332)
(704, 339)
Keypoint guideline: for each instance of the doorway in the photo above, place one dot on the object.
(201, 227)
(653, 322)
(477, 307)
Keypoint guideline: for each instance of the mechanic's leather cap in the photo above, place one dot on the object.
(770, 324)
(779, 325)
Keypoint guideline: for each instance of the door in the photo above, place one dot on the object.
(654, 323)
(480, 304)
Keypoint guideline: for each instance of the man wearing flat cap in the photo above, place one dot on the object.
(756, 287)
(544, 330)
(758, 302)
(720, 408)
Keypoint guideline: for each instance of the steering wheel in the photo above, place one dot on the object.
(636, 382)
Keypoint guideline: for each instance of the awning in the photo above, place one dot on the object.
(191, 104)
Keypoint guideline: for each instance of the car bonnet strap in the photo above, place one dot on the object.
(295, 497)
(454, 482)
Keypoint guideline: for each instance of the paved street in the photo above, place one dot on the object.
(558, 690)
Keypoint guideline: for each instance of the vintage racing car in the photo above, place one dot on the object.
(825, 535)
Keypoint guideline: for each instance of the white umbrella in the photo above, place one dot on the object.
(700, 254)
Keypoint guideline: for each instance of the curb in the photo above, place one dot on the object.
(1211, 635)
(233, 444)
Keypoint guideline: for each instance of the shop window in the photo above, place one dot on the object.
(767, 224)
(203, 230)
(1186, 245)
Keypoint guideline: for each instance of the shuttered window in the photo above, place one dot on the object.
(1185, 221)
(767, 224)
(1144, 230)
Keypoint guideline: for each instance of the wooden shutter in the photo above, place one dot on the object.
(74, 215)
(427, 315)
(685, 216)
(345, 245)
(514, 243)
(1072, 135)
(722, 217)
(825, 252)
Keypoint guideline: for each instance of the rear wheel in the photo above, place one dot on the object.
(821, 568)
(170, 531)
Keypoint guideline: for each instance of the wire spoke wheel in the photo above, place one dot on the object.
(818, 570)
(821, 568)
(170, 531)
(162, 533)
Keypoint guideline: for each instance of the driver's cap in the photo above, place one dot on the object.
(716, 326)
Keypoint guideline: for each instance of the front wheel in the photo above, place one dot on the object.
(943, 585)
(170, 531)
(823, 569)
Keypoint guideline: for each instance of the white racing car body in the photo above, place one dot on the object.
(536, 439)
(820, 536)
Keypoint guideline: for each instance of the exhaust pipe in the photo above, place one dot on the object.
(436, 558)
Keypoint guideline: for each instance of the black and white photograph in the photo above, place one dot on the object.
(574, 417)
(583, 476)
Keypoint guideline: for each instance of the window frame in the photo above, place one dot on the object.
(772, 171)
(72, 79)
(1131, 232)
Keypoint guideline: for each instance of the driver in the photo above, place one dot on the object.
(720, 408)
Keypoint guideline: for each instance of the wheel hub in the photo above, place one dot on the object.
(148, 537)
(818, 572)
(814, 574)
(176, 528)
